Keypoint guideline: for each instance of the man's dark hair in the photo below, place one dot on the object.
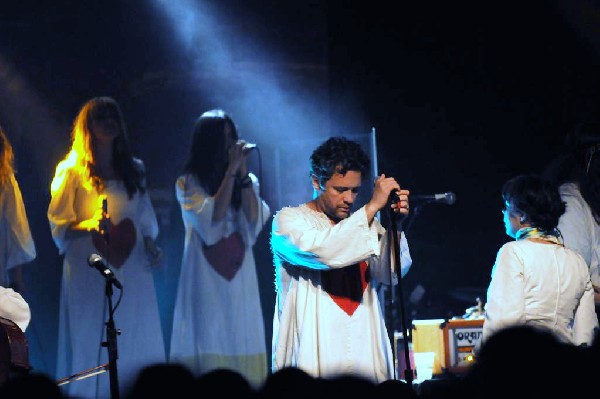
(338, 155)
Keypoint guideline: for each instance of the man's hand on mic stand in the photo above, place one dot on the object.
(400, 204)
(387, 190)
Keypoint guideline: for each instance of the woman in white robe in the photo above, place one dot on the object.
(100, 206)
(16, 243)
(218, 319)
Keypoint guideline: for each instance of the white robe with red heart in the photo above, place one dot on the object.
(218, 320)
(328, 320)
(16, 243)
(83, 301)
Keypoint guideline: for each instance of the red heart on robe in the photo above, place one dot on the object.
(346, 285)
(121, 240)
(226, 256)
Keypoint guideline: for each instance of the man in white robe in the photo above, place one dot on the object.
(328, 319)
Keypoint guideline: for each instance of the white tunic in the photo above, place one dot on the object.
(328, 319)
(541, 285)
(579, 229)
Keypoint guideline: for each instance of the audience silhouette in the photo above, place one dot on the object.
(395, 389)
(30, 385)
(289, 382)
(528, 361)
(163, 380)
(517, 361)
(230, 383)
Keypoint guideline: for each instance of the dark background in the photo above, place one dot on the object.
(460, 96)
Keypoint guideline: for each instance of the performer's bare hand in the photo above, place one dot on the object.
(401, 205)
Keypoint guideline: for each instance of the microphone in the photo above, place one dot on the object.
(445, 198)
(97, 262)
(249, 147)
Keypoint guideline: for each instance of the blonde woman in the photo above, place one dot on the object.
(100, 206)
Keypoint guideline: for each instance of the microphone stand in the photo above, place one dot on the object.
(415, 212)
(111, 331)
(111, 343)
(408, 373)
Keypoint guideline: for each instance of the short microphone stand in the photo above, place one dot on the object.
(398, 267)
(111, 331)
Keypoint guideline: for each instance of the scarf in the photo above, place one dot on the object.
(553, 236)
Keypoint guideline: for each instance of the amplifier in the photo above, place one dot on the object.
(453, 342)
(461, 336)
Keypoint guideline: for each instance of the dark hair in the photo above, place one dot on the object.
(208, 158)
(581, 163)
(338, 155)
(536, 198)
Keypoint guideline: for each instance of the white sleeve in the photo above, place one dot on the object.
(382, 266)
(21, 248)
(574, 226)
(297, 240)
(61, 210)
(585, 324)
(13, 307)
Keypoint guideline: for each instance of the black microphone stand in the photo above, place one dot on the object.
(408, 373)
(416, 210)
(111, 331)
(111, 343)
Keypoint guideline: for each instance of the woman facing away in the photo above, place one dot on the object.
(537, 281)
(100, 206)
(218, 320)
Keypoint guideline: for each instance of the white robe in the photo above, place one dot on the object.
(83, 309)
(327, 320)
(16, 247)
(218, 319)
(544, 286)
(579, 229)
(16, 244)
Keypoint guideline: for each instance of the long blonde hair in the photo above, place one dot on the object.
(81, 155)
